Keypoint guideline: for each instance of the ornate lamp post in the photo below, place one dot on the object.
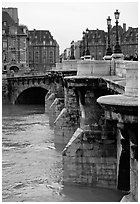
(109, 51)
(117, 48)
(87, 52)
(83, 40)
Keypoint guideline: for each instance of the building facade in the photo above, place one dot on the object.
(98, 43)
(43, 50)
(129, 43)
(67, 54)
(77, 49)
(24, 50)
(14, 42)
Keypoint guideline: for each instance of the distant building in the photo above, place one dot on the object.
(129, 43)
(97, 43)
(67, 54)
(77, 49)
(14, 41)
(43, 50)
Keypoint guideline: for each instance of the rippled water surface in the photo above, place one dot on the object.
(32, 166)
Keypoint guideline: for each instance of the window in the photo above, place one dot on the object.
(13, 30)
(4, 23)
(24, 30)
(4, 44)
(51, 57)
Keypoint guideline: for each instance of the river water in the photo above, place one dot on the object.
(32, 166)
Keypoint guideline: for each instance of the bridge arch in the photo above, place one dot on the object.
(31, 95)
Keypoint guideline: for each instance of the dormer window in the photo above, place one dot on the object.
(24, 30)
(4, 23)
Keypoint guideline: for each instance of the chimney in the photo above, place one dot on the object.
(124, 27)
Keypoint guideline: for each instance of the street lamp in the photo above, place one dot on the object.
(109, 51)
(87, 36)
(117, 48)
(83, 40)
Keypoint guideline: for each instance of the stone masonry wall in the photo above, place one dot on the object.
(68, 120)
(89, 161)
(5, 98)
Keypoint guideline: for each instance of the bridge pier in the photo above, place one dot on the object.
(89, 157)
(94, 152)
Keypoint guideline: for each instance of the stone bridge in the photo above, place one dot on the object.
(32, 89)
(94, 114)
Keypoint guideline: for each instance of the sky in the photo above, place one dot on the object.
(66, 20)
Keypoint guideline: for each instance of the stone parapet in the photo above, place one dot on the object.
(120, 69)
(66, 65)
(131, 88)
(115, 83)
(93, 68)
